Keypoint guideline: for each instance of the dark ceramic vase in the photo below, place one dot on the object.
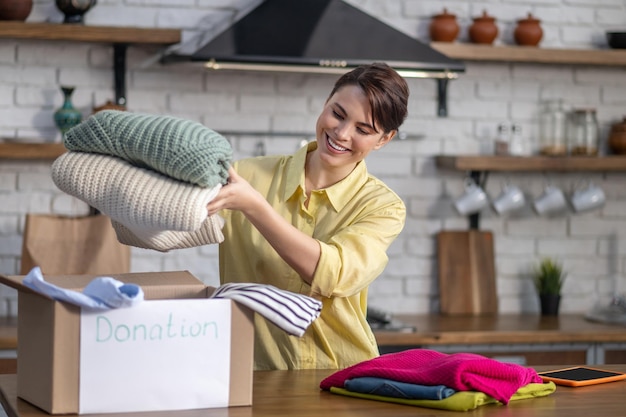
(528, 31)
(67, 116)
(484, 29)
(74, 9)
(550, 304)
(443, 27)
(15, 9)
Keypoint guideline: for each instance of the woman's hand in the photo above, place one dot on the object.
(300, 251)
(238, 194)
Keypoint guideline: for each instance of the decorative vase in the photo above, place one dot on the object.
(74, 9)
(528, 31)
(444, 27)
(15, 9)
(67, 116)
(549, 304)
(484, 29)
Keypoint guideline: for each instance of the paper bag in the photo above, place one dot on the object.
(72, 245)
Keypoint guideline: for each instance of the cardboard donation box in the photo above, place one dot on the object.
(175, 350)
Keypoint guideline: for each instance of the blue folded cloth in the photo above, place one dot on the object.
(390, 388)
(102, 293)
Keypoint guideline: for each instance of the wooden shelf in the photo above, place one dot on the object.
(105, 34)
(31, 151)
(532, 163)
(472, 52)
(119, 37)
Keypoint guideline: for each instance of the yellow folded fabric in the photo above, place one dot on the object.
(459, 401)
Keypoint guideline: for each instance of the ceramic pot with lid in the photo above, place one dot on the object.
(15, 9)
(484, 29)
(617, 138)
(444, 27)
(528, 31)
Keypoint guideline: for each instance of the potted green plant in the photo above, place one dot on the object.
(549, 276)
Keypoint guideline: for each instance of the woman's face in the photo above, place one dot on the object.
(346, 133)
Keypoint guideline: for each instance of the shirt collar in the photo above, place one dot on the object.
(338, 194)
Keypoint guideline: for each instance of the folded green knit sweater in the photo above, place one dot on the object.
(182, 149)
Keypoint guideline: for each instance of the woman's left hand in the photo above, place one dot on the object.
(300, 251)
(237, 194)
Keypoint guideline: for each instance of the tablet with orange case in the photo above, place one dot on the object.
(578, 376)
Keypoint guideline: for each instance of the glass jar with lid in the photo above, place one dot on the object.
(553, 129)
(583, 132)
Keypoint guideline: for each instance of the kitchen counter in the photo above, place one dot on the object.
(8, 345)
(531, 339)
(8, 333)
(435, 329)
(297, 393)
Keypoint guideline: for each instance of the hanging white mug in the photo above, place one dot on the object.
(588, 198)
(510, 199)
(473, 200)
(551, 201)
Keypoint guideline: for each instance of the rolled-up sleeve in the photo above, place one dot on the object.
(352, 258)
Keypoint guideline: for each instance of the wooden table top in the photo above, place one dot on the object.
(297, 393)
(435, 329)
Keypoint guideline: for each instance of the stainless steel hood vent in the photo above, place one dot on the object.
(317, 36)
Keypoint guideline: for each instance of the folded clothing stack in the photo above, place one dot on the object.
(473, 379)
(152, 175)
(179, 148)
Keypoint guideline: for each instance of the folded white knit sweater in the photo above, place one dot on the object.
(166, 240)
(144, 201)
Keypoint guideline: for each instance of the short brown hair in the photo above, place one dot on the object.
(386, 91)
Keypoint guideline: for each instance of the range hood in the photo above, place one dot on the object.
(315, 36)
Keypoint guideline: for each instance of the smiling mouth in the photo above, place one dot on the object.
(334, 145)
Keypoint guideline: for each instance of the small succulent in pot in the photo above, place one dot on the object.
(548, 277)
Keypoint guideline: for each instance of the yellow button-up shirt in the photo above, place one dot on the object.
(354, 221)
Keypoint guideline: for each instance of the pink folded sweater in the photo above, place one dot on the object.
(460, 371)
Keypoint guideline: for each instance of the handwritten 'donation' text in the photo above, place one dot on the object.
(173, 328)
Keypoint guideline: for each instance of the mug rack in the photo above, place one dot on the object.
(478, 167)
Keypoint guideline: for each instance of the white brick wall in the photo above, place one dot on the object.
(592, 246)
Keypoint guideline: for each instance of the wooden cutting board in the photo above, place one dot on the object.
(467, 279)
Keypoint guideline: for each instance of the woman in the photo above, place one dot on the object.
(317, 223)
